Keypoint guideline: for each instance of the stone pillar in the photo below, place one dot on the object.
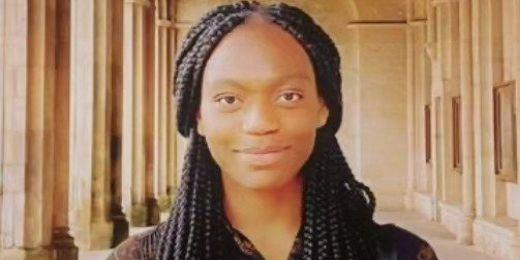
(121, 225)
(430, 55)
(40, 124)
(516, 62)
(34, 214)
(14, 226)
(410, 100)
(91, 78)
(436, 111)
(2, 87)
(63, 243)
(516, 75)
(36, 76)
(420, 178)
(477, 130)
(465, 234)
(172, 149)
(443, 25)
(25, 225)
(162, 95)
(152, 208)
(487, 180)
(133, 142)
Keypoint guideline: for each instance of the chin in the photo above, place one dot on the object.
(260, 180)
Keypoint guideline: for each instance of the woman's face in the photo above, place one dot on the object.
(259, 107)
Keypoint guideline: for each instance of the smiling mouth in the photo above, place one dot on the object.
(262, 150)
(264, 156)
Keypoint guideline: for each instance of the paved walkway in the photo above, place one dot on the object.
(439, 238)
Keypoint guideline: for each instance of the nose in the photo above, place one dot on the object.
(260, 119)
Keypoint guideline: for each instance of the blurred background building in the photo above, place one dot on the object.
(88, 144)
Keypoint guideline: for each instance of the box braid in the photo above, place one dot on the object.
(338, 209)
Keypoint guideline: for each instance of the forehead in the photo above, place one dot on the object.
(257, 51)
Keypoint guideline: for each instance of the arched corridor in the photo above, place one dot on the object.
(89, 148)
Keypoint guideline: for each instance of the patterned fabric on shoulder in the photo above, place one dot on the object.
(395, 243)
(133, 249)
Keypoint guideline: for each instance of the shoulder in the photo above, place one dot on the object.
(400, 244)
(132, 247)
(128, 249)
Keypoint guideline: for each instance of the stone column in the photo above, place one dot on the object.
(33, 178)
(483, 72)
(487, 180)
(62, 242)
(2, 87)
(430, 55)
(172, 149)
(152, 208)
(162, 95)
(477, 115)
(516, 75)
(133, 142)
(14, 130)
(416, 82)
(121, 225)
(443, 74)
(410, 99)
(16, 183)
(434, 51)
(40, 123)
(465, 234)
(34, 213)
(91, 78)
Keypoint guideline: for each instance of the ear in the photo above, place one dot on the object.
(200, 126)
(323, 114)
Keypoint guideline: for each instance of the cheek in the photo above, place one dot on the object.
(302, 141)
(300, 123)
(215, 121)
(219, 133)
(219, 146)
(301, 130)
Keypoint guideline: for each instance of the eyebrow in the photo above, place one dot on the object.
(272, 82)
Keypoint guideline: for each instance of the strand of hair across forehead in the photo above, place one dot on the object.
(337, 220)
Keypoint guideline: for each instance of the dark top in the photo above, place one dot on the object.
(394, 243)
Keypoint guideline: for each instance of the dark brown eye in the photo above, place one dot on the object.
(226, 100)
(291, 96)
(227, 103)
(229, 99)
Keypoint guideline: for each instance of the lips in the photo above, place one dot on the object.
(263, 156)
(263, 150)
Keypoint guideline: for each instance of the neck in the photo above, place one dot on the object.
(250, 209)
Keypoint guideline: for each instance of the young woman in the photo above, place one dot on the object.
(258, 91)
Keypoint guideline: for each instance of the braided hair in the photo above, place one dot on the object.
(338, 209)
